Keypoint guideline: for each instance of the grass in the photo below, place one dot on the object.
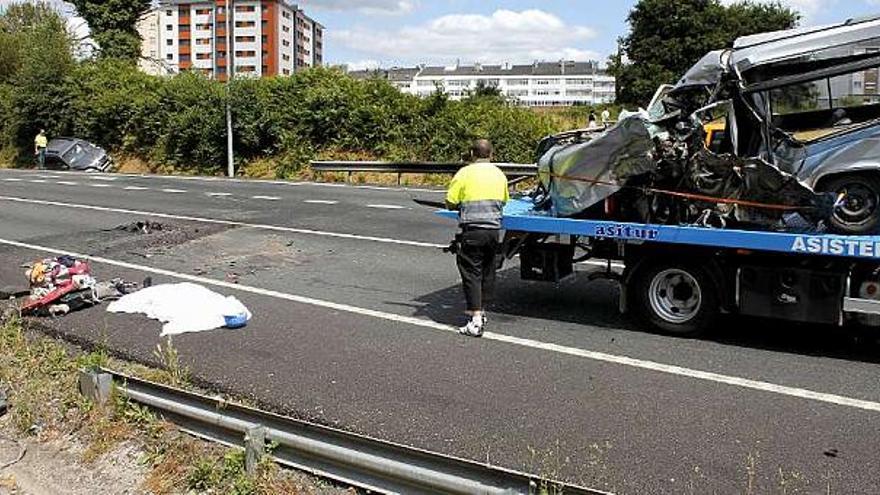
(40, 375)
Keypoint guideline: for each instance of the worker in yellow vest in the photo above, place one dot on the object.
(41, 142)
(478, 192)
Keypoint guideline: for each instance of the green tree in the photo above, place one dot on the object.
(668, 36)
(114, 25)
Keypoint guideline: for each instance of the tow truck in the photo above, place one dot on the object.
(679, 279)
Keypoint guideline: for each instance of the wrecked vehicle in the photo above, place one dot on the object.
(65, 153)
(793, 144)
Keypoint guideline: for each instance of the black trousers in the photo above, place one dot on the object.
(476, 263)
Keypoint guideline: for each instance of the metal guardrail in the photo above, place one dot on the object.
(510, 169)
(352, 459)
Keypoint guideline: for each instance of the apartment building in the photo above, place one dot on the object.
(268, 38)
(541, 84)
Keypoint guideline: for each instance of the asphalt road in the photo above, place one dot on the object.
(353, 301)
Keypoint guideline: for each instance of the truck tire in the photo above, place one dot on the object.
(860, 212)
(675, 298)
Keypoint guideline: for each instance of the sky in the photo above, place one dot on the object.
(387, 33)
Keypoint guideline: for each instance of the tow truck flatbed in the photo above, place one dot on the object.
(680, 277)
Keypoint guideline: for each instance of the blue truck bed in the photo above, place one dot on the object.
(519, 215)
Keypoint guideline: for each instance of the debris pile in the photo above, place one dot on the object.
(64, 284)
(142, 227)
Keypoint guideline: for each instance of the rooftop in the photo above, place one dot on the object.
(535, 69)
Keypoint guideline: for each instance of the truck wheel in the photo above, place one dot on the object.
(859, 214)
(676, 299)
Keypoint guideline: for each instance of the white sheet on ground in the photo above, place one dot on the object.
(184, 308)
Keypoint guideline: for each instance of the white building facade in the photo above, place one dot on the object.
(542, 84)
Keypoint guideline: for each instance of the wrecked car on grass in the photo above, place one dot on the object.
(65, 153)
(799, 149)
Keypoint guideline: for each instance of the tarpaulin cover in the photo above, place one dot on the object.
(183, 307)
(624, 151)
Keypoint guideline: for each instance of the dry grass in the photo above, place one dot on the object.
(40, 375)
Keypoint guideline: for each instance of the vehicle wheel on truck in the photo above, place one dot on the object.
(675, 298)
(859, 212)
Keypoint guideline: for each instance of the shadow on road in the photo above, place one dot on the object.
(595, 304)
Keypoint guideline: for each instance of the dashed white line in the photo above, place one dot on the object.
(102, 177)
(173, 191)
(137, 188)
(267, 198)
(387, 207)
(99, 185)
(218, 194)
(735, 381)
(38, 181)
(215, 221)
(67, 183)
(321, 202)
(10, 179)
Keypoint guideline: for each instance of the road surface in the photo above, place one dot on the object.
(355, 306)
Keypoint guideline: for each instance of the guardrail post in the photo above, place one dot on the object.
(95, 386)
(254, 449)
(349, 177)
(399, 176)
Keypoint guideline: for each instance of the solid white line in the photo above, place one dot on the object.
(231, 223)
(137, 188)
(267, 198)
(734, 381)
(99, 185)
(257, 182)
(173, 191)
(218, 194)
(321, 202)
(387, 207)
(67, 183)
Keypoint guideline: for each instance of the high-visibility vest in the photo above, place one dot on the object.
(479, 191)
(41, 141)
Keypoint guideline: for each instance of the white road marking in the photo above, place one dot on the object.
(321, 202)
(218, 194)
(48, 177)
(137, 188)
(173, 191)
(10, 179)
(67, 183)
(37, 181)
(101, 177)
(387, 207)
(267, 198)
(257, 182)
(99, 185)
(231, 223)
(734, 381)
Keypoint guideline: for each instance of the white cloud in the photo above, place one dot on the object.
(808, 8)
(506, 35)
(367, 6)
(363, 65)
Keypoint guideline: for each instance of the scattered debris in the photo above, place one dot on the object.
(64, 284)
(184, 308)
(143, 227)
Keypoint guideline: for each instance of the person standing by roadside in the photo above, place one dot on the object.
(41, 142)
(606, 117)
(478, 192)
(591, 121)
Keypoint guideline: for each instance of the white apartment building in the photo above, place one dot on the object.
(542, 84)
(268, 38)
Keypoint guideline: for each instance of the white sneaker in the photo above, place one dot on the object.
(472, 329)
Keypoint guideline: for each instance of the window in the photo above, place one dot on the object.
(169, 13)
(265, 39)
(286, 14)
(203, 56)
(245, 39)
(185, 58)
(285, 43)
(578, 82)
(265, 69)
(245, 8)
(245, 53)
(246, 68)
(798, 98)
(517, 82)
(286, 72)
(221, 10)
(245, 24)
(546, 82)
(285, 57)
(221, 54)
(203, 11)
(184, 28)
(286, 29)
(204, 27)
(169, 42)
(169, 27)
(221, 70)
(169, 57)
(184, 42)
(203, 41)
